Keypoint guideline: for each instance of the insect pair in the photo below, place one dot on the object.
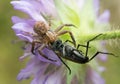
(47, 37)
(44, 36)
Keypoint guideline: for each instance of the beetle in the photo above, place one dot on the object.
(73, 54)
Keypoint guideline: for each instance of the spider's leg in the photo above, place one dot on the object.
(70, 33)
(33, 46)
(62, 26)
(40, 52)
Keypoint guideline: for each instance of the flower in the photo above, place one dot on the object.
(104, 17)
(78, 12)
(37, 64)
(92, 77)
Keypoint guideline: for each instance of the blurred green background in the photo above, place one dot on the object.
(9, 53)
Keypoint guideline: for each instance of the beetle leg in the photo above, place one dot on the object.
(100, 53)
(89, 43)
(58, 54)
(69, 41)
(71, 35)
(82, 46)
(40, 49)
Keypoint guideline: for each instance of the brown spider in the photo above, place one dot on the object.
(45, 36)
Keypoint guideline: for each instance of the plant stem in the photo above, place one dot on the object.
(104, 36)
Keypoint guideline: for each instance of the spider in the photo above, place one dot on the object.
(45, 36)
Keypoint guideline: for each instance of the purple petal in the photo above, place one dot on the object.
(51, 77)
(55, 78)
(35, 4)
(101, 68)
(24, 56)
(104, 17)
(80, 3)
(32, 68)
(24, 74)
(22, 27)
(92, 77)
(102, 57)
(25, 38)
(16, 19)
(50, 54)
(43, 72)
(28, 8)
(47, 7)
(96, 6)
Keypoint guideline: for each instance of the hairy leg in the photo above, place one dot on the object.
(71, 35)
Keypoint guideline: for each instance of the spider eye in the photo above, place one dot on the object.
(42, 29)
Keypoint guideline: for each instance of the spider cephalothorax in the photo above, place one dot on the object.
(40, 28)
